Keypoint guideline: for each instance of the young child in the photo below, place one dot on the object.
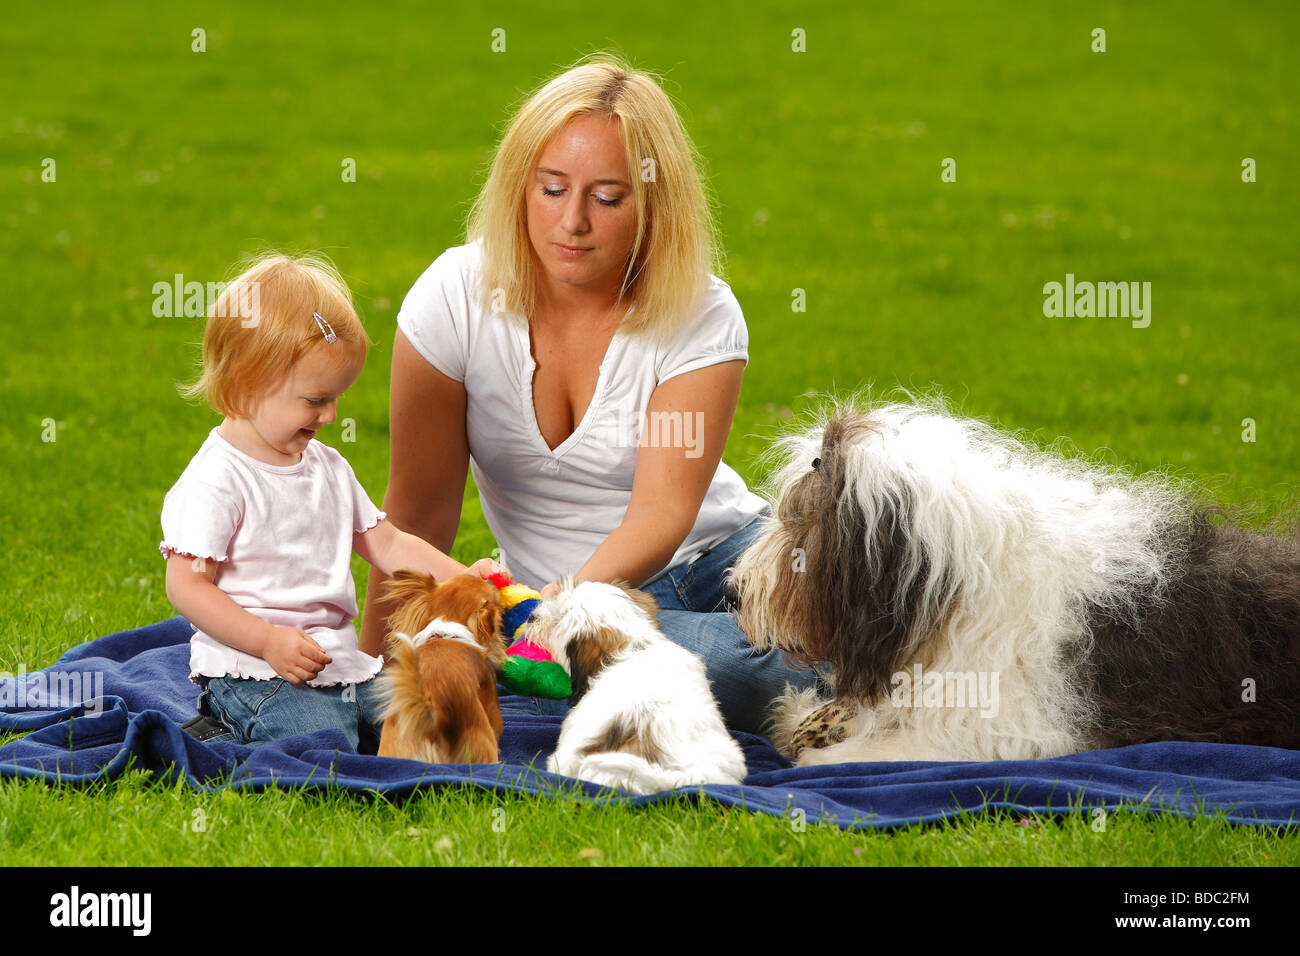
(259, 530)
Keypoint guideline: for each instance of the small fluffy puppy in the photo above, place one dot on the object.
(978, 599)
(439, 685)
(643, 717)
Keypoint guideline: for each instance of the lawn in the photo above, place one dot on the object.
(128, 157)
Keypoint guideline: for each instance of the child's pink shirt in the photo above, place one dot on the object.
(283, 535)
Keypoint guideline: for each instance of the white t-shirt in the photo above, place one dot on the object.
(550, 509)
(283, 535)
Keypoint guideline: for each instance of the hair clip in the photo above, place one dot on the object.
(325, 328)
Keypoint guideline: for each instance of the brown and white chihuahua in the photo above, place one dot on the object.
(439, 684)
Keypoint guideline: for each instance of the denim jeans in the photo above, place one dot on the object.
(694, 613)
(260, 711)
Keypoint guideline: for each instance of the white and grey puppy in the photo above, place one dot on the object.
(980, 599)
(643, 718)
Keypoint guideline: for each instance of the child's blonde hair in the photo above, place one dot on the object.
(261, 325)
(675, 246)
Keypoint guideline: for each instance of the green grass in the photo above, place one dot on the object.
(1123, 165)
(137, 821)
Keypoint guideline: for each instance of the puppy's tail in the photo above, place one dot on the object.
(625, 771)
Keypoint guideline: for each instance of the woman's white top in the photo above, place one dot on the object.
(550, 509)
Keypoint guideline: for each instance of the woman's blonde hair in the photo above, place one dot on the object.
(675, 247)
(261, 325)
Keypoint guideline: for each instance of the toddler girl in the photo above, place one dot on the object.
(259, 530)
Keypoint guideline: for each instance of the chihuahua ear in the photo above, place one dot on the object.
(402, 590)
(485, 625)
(404, 584)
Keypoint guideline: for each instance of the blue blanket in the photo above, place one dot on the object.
(118, 702)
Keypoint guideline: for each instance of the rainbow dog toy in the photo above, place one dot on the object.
(529, 670)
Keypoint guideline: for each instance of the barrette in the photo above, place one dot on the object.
(326, 329)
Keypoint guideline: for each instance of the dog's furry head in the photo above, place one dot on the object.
(464, 599)
(587, 625)
(897, 525)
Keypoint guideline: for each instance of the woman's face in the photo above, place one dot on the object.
(581, 210)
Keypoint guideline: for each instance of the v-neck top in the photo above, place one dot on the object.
(549, 509)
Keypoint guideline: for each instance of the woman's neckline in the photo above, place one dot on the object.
(580, 426)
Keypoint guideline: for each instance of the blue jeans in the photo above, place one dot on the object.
(694, 613)
(260, 711)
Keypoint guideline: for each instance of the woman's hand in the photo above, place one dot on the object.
(550, 591)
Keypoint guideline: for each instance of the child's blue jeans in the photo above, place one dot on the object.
(260, 711)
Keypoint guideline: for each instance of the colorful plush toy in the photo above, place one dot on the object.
(529, 670)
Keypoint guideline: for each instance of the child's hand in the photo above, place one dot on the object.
(486, 567)
(294, 655)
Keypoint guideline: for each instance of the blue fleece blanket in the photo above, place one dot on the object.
(118, 702)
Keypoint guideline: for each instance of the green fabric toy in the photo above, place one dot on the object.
(529, 670)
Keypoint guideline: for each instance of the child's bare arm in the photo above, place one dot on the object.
(386, 548)
(190, 589)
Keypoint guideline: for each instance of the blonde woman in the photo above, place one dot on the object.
(581, 356)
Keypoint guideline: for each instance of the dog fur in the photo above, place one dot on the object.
(1107, 609)
(438, 687)
(643, 716)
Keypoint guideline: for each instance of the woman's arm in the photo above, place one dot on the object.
(670, 482)
(428, 463)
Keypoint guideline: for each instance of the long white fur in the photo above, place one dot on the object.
(1019, 542)
(651, 684)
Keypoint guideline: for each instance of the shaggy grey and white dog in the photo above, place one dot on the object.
(978, 599)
